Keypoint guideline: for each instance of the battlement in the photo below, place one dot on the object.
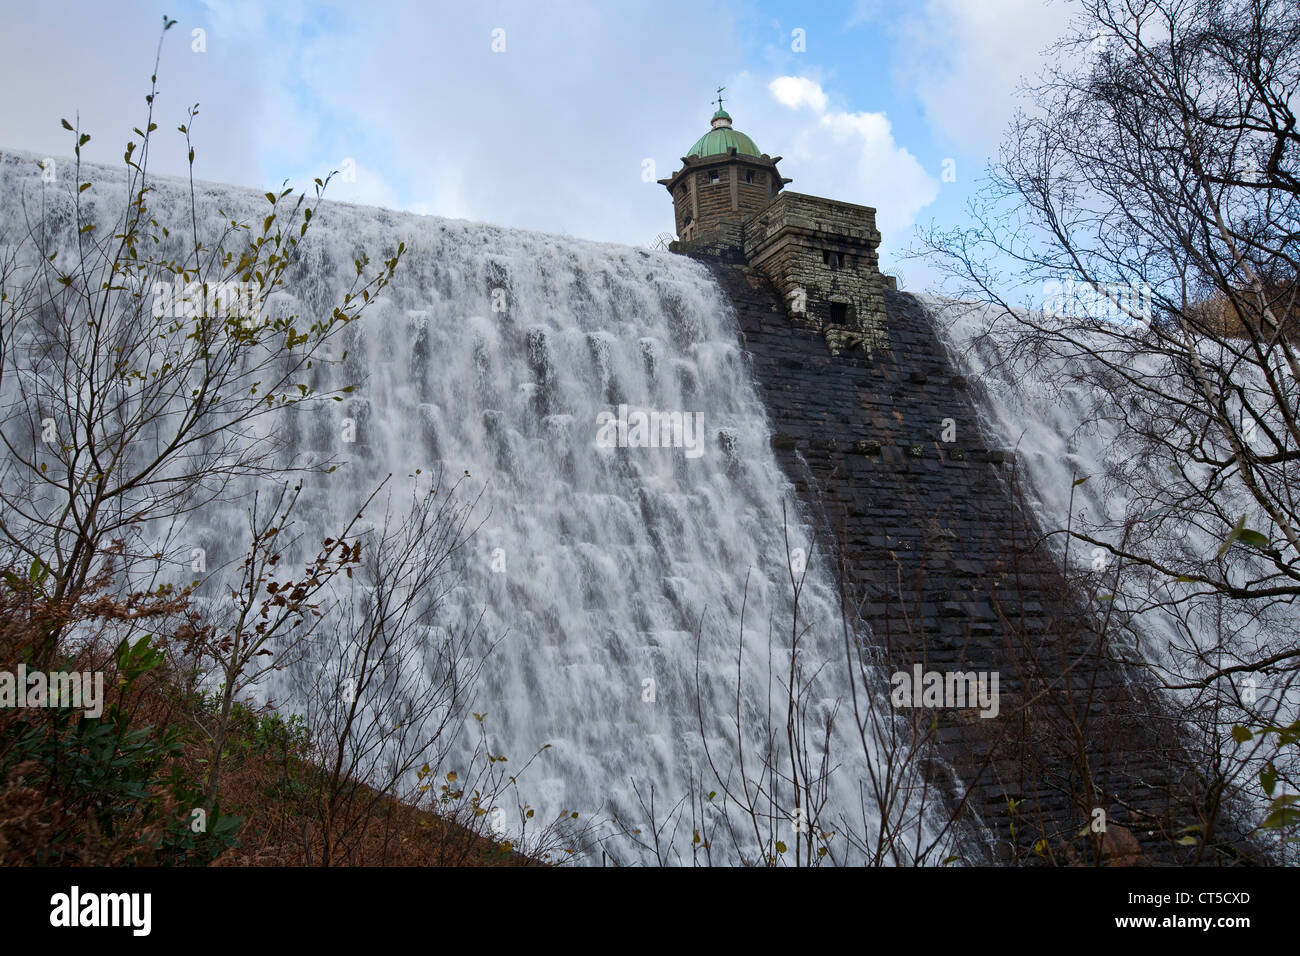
(821, 255)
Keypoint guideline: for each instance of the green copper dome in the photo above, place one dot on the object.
(722, 138)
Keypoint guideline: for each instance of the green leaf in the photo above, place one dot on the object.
(66, 124)
(1232, 536)
(1241, 734)
(1079, 481)
(1281, 817)
(1268, 778)
(1245, 535)
(1253, 538)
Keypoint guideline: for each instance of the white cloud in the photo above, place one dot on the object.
(965, 61)
(843, 154)
(550, 135)
(864, 11)
(797, 91)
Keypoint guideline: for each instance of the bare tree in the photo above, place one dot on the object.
(1138, 242)
(767, 795)
(392, 675)
(142, 361)
(268, 617)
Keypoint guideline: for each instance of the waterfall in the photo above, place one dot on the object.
(497, 356)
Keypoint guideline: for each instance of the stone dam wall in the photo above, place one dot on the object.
(946, 567)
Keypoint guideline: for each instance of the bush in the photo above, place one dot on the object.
(106, 789)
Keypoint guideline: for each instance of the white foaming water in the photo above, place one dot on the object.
(493, 353)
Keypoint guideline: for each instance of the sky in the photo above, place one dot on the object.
(553, 116)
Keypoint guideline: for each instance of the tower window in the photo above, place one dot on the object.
(713, 176)
(839, 313)
(749, 176)
(833, 259)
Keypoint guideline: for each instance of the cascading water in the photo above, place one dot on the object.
(493, 354)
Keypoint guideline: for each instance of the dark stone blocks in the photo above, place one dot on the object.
(938, 555)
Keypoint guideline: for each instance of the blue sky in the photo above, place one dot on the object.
(555, 129)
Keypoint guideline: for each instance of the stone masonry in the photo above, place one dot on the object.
(725, 188)
(821, 257)
(943, 561)
(879, 435)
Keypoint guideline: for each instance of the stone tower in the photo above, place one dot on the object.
(729, 202)
(723, 179)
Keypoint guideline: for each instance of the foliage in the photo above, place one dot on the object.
(112, 787)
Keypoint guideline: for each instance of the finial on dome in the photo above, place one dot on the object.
(721, 119)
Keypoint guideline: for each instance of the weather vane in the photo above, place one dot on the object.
(720, 89)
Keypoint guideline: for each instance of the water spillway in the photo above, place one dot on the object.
(596, 567)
